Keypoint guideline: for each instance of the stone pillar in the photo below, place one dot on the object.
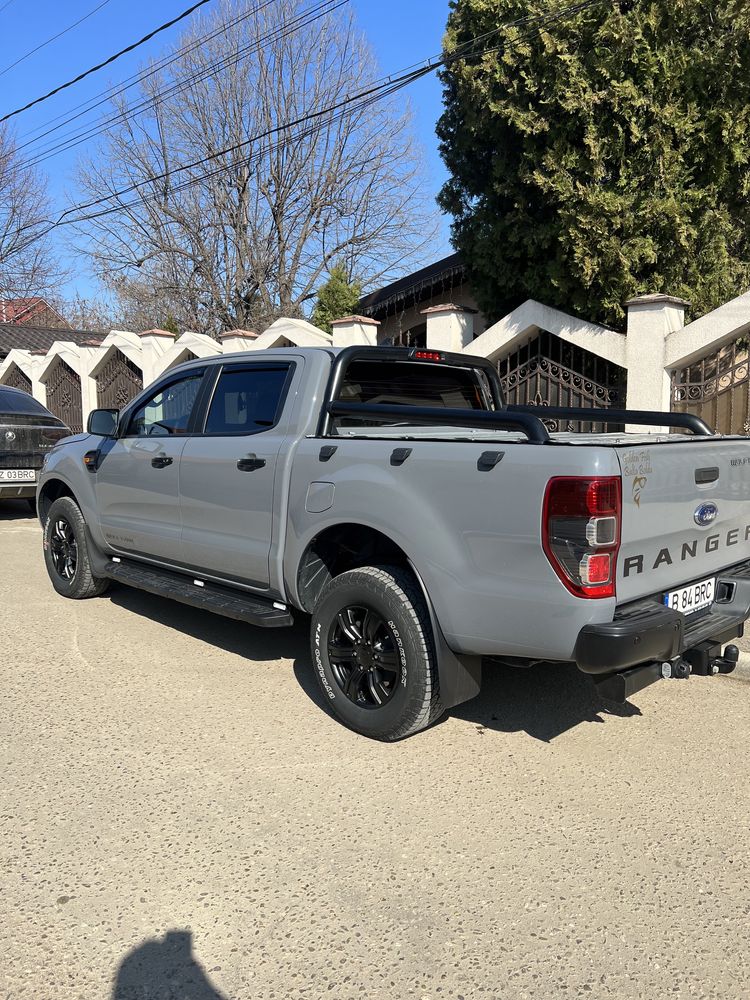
(89, 355)
(651, 318)
(38, 388)
(238, 340)
(154, 344)
(449, 327)
(355, 330)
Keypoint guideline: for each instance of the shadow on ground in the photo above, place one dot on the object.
(16, 510)
(164, 969)
(225, 633)
(543, 701)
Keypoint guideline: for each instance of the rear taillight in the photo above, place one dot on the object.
(581, 532)
(55, 433)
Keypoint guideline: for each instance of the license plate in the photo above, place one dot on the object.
(692, 598)
(17, 475)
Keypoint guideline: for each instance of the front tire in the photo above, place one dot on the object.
(66, 554)
(373, 653)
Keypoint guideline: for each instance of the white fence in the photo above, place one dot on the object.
(656, 343)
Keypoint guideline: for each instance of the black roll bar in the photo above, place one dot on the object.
(442, 416)
(649, 418)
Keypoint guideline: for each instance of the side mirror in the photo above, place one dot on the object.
(103, 423)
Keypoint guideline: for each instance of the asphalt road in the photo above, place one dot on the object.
(180, 818)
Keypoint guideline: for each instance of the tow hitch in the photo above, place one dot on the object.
(706, 660)
(703, 660)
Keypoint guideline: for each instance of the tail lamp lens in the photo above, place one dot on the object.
(581, 532)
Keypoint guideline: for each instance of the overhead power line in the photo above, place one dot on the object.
(348, 105)
(109, 93)
(106, 62)
(283, 30)
(54, 37)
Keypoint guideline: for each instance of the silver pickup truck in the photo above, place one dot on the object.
(423, 525)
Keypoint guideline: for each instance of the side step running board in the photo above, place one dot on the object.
(212, 597)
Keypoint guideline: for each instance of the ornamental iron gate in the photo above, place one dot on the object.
(18, 379)
(64, 395)
(118, 382)
(717, 389)
(549, 371)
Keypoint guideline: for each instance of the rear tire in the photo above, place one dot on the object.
(373, 653)
(66, 553)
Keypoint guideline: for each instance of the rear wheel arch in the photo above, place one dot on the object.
(340, 548)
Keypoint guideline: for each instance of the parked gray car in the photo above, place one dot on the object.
(27, 432)
(423, 525)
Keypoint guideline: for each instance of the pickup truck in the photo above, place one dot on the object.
(423, 525)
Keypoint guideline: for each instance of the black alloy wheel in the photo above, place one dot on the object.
(364, 657)
(66, 552)
(64, 548)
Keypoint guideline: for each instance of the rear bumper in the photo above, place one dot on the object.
(649, 632)
(17, 491)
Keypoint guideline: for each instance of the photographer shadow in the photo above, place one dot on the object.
(164, 969)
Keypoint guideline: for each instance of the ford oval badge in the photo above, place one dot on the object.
(706, 514)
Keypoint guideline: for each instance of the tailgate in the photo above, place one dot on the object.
(686, 513)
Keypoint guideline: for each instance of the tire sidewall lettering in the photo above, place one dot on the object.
(319, 664)
(401, 651)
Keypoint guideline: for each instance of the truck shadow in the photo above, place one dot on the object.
(164, 969)
(543, 701)
(224, 633)
(16, 510)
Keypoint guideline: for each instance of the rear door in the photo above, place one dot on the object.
(686, 515)
(228, 472)
(138, 475)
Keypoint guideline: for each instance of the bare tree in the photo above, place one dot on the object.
(28, 265)
(244, 237)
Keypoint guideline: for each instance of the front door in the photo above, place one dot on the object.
(227, 474)
(138, 474)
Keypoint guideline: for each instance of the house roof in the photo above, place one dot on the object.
(24, 310)
(416, 287)
(36, 338)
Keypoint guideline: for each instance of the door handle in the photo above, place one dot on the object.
(250, 463)
(161, 461)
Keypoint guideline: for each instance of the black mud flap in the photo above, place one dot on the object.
(460, 676)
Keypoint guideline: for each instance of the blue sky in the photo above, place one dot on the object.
(401, 33)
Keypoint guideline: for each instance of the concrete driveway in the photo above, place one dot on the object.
(180, 818)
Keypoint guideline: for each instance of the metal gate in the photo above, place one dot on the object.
(64, 395)
(118, 382)
(717, 389)
(18, 379)
(549, 371)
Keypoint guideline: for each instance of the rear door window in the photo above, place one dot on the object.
(247, 400)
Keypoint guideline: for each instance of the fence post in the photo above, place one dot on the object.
(238, 340)
(449, 327)
(355, 330)
(154, 344)
(651, 319)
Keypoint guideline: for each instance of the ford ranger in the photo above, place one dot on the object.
(423, 525)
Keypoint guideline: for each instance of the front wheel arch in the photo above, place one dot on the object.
(52, 490)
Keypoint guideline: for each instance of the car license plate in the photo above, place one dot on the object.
(695, 597)
(17, 475)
